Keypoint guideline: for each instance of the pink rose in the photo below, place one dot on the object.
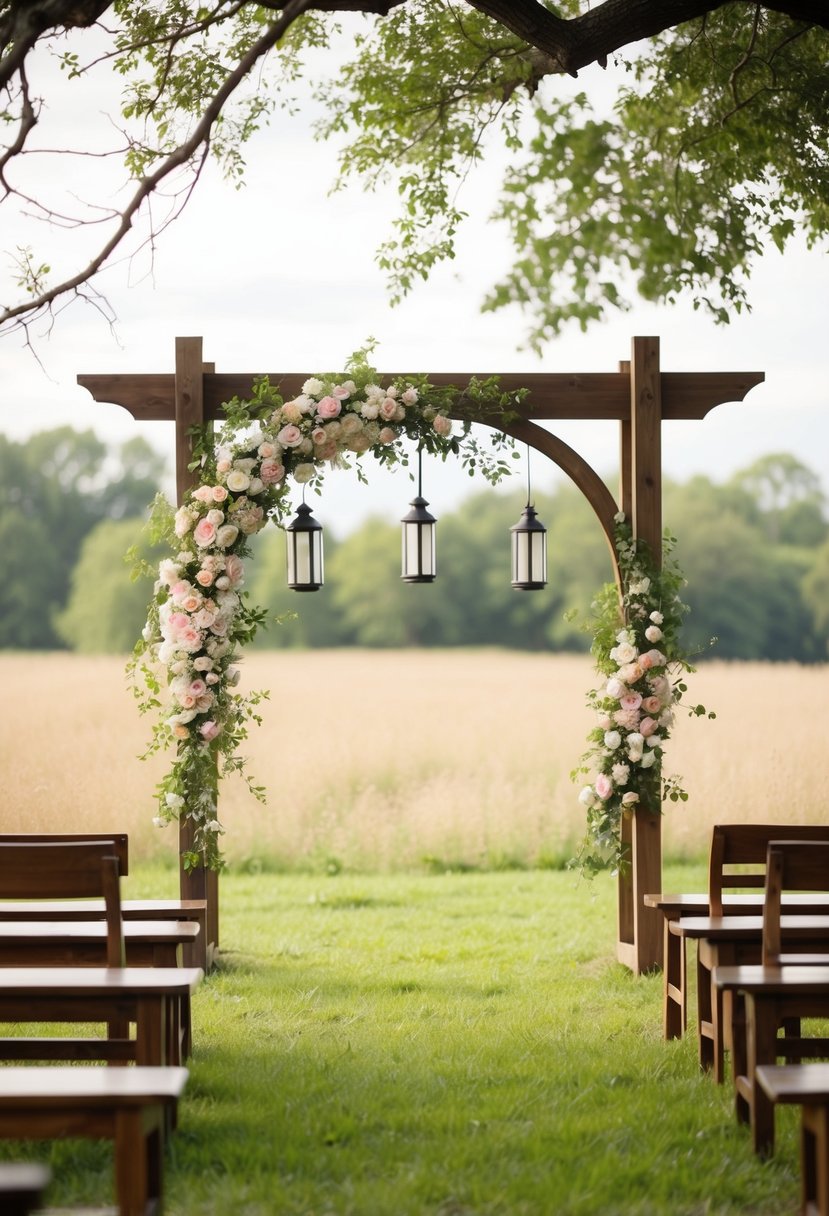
(290, 437)
(604, 786)
(630, 798)
(340, 392)
(197, 688)
(647, 726)
(442, 425)
(631, 672)
(202, 494)
(329, 407)
(266, 450)
(271, 472)
(628, 719)
(657, 658)
(652, 705)
(180, 731)
(204, 578)
(219, 493)
(388, 409)
(410, 396)
(209, 730)
(204, 533)
(235, 570)
(631, 700)
(387, 435)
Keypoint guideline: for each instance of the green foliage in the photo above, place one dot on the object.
(641, 664)
(55, 487)
(107, 607)
(679, 188)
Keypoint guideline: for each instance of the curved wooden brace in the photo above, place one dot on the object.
(576, 468)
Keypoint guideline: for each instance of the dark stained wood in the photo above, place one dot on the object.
(148, 997)
(132, 1107)
(21, 1187)
(150, 397)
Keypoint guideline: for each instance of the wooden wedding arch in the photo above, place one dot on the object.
(639, 396)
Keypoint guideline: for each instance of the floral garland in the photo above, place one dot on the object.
(642, 666)
(184, 667)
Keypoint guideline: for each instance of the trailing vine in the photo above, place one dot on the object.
(639, 656)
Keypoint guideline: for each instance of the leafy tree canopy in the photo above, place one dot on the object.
(715, 146)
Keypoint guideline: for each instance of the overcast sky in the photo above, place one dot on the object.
(279, 276)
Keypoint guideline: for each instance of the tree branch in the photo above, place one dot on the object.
(572, 43)
(184, 153)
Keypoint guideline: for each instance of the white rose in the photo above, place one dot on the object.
(620, 773)
(312, 387)
(226, 535)
(612, 740)
(657, 618)
(303, 473)
(647, 760)
(237, 480)
(587, 797)
(256, 485)
(215, 517)
(624, 653)
(653, 633)
(370, 410)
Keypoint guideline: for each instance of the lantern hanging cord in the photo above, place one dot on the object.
(529, 491)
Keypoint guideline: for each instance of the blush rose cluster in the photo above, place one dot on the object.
(641, 667)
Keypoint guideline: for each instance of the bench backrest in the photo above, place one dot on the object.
(68, 869)
(746, 844)
(791, 865)
(118, 840)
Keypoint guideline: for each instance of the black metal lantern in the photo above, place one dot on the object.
(305, 565)
(529, 547)
(418, 539)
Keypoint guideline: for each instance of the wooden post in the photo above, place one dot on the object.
(199, 883)
(639, 944)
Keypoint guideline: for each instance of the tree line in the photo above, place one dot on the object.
(755, 550)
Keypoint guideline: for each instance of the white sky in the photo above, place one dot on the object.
(281, 277)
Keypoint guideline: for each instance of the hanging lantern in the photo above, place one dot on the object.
(418, 539)
(529, 552)
(305, 565)
(529, 546)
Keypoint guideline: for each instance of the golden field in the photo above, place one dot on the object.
(386, 759)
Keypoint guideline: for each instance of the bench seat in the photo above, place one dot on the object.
(131, 1106)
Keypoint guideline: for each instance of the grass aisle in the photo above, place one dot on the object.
(450, 1045)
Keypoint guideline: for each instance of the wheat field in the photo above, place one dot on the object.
(393, 759)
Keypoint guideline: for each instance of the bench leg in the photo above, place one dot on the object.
(139, 1159)
(674, 1012)
(762, 1022)
(814, 1160)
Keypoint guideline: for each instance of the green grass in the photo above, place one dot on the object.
(454, 1044)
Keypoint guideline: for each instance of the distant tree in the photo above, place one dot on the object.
(788, 497)
(816, 595)
(54, 488)
(107, 608)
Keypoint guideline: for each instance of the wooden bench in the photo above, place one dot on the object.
(784, 988)
(191, 911)
(83, 868)
(736, 940)
(147, 997)
(131, 1106)
(194, 955)
(807, 1086)
(733, 846)
(21, 1187)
